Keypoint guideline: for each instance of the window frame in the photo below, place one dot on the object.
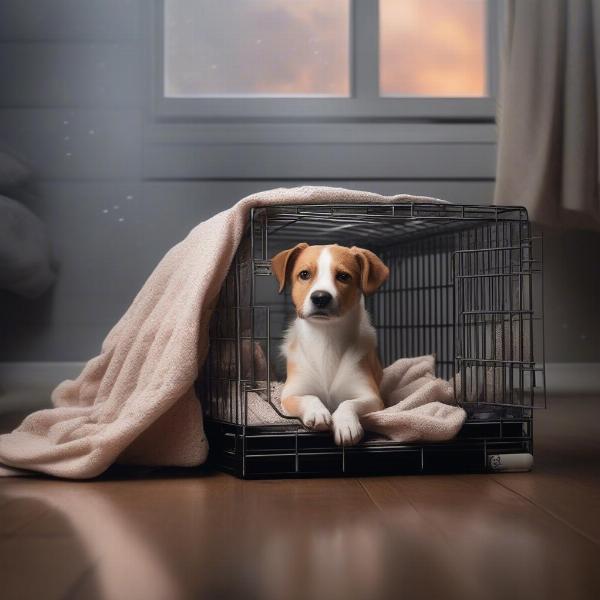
(362, 105)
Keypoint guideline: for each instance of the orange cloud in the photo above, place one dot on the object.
(265, 47)
(432, 47)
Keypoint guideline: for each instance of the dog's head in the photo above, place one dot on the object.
(327, 281)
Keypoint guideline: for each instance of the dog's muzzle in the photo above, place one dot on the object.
(322, 305)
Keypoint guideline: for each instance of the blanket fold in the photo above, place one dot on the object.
(418, 405)
(135, 401)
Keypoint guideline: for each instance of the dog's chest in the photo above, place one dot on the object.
(330, 368)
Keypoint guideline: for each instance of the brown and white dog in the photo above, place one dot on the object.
(333, 371)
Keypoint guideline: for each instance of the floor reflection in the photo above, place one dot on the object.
(217, 537)
(124, 561)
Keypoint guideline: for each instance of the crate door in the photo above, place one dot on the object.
(499, 317)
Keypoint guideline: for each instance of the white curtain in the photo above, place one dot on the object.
(549, 111)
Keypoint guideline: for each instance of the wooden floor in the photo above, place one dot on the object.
(168, 535)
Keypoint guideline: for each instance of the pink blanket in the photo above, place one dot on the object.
(135, 402)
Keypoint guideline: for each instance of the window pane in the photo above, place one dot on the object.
(256, 48)
(432, 48)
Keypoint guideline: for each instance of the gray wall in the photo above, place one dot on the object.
(117, 190)
(572, 296)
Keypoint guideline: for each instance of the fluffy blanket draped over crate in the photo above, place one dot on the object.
(135, 402)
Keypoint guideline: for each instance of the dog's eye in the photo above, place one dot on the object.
(345, 277)
(304, 275)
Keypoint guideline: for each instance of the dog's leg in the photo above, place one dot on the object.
(347, 430)
(309, 409)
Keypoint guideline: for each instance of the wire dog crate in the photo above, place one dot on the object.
(465, 284)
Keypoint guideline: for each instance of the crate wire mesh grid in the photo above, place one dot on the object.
(465, 284)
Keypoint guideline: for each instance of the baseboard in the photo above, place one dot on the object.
(28, 385)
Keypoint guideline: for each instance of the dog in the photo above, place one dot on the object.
(333, 370)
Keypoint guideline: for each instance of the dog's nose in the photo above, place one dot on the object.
(320, 299)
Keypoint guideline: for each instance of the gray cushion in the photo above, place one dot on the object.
(26, 266)
(12, 171)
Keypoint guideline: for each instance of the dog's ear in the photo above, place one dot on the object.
(282, 263)
(373, 272)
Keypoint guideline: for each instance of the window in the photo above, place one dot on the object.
(334, 59)
(432, 48)
(267, 48)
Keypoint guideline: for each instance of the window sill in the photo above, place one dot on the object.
(320, 133)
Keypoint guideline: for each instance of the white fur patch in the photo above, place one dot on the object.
(324, 281)
(327, 356)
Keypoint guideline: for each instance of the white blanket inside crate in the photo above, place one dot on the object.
(418, 405)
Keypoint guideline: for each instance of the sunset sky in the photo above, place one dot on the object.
(301, 47)
(432, 47)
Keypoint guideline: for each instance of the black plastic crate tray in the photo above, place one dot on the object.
(291, 451)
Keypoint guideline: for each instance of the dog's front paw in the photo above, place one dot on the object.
(347, 430)
(317, 417)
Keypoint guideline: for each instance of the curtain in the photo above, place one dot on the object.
(548, 111)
